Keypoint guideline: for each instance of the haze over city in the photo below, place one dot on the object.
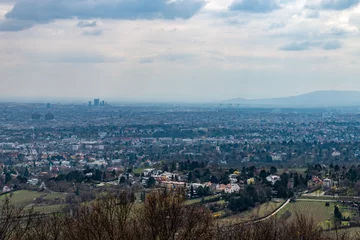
(183, 51)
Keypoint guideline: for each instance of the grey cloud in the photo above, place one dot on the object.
(92, 32)
(176, 57)
(286, 1)
(73, 58)
(8, 1)
(77, 57)
(170, 57)
(332, 45)
(355, 53)
(254, 6)
(297, 46)
(312, 14)
(146, 60)
(306, 45)
(48, 10)
(11, 25)
(85, 24)
(332, 4)
(276, 25)
(341, 31)
(236, 22)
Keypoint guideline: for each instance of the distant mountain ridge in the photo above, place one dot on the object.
(331, 98)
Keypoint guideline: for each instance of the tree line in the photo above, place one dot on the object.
(163, 216)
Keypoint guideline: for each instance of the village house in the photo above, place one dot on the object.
(33, 181)
(327, 183)
(315, 182)
(232, 188)
(273, 179)
(233, 178)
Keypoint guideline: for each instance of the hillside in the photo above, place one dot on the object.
(313, 99)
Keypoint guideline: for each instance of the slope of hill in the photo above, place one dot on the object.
(313, 99)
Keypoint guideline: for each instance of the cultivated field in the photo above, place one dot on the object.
(316, 210)
(51, 202)
(197, 200)
(260, 211)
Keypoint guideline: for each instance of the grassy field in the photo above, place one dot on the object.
(26, 199)
(298, 170)
(54, 196)
(138, 170)
(48, 208)
(197, 200)
(257, 212)
(22, 198)
(328, 197)
(316, 210)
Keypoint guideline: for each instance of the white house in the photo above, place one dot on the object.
(148, 171)
(273, 179)
(232, 188)
(336, 154)
(233, 178)
(33, 181)
(327, 183)
(6, 189)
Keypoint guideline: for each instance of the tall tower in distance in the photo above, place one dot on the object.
(97, 102)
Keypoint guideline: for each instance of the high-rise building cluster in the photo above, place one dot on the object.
(97, 103)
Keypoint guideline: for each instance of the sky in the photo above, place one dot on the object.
(177, 50)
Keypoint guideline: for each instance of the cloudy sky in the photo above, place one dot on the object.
(177, 50)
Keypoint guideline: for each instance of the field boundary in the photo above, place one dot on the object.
(257, 220)
(3, 193)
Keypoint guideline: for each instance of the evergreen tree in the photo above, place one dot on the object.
(7, 177)
(150, 182)
(173, 166)
(26, 172)
(263, 174)
(273, 170)
(190, 177)
(122, 179)
(337, 213)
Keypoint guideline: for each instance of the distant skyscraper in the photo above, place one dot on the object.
(48, 105)
(103, 103)
(96, 102)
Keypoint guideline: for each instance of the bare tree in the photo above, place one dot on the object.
(14, 222)
(106, 218)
